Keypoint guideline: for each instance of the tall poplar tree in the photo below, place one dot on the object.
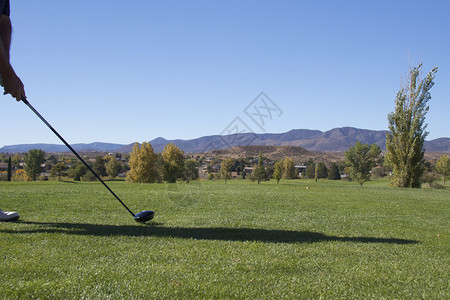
(9, 172)
(259, 171)
(406, 136)
(278, 172)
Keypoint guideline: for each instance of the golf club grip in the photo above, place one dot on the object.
(74, 152)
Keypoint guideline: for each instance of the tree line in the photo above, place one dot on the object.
(362, 162)
(31, 166)
(146, 166)
(403, 160)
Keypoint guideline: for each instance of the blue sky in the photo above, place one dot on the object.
(126, 71)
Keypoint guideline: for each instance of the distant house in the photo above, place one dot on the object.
(44, 175)
(248, 170)
(299, 169)
(215, 168)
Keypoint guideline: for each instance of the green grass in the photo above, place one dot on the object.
(238, 240)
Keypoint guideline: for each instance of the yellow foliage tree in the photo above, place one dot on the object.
(225, 168)
(173, 162)
(143, 164)
(289, 168)
(443, 166)
(21, 175)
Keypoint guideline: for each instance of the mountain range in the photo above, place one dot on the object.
(337, 139)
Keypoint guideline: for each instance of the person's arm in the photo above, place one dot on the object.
(11, 82)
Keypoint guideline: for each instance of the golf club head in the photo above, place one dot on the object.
(144, 216)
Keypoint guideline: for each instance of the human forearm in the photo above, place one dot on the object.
(11, 82)
(5, 44)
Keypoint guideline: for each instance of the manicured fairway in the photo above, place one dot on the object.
(238, 240)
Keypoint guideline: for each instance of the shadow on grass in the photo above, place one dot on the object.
(201, 233)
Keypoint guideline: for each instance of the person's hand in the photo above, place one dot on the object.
(14, 86)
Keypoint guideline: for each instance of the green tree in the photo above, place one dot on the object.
(143, 164)
(77, 171)
(404, 141)
(259, 173)
(289, 168)
(112, 167)
(278, 172)
(225, 168)
(52, 160)
(443, 166)
(239, 165)
(269, 172)
(173, 163)
(99, 166)
(33, 160)
(159, 167)
(16, 160)
(89, 176)
(333, 172)
(190, 170)
(362, 158)
(321, 170)
(430, 178)
(310, 170)
(59, 170)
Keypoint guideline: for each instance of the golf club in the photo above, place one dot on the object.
(142, 217)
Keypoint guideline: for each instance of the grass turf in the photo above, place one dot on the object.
(237, 240)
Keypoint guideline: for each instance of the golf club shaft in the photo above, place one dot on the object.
(74, 152)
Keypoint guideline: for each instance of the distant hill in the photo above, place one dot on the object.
(102, 147)
(299, 154)
(272, 152)
(340, 139)
(438, 145)
(337, 139)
